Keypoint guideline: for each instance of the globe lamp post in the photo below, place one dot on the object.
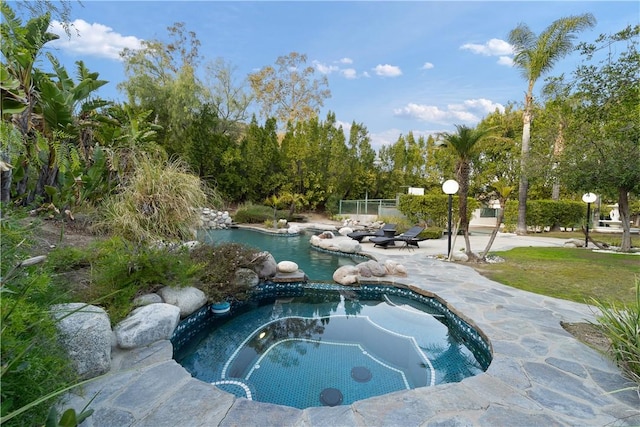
(450, 187)
(588, 198)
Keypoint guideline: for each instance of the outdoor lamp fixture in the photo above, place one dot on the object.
(450, 187)
(588, 198)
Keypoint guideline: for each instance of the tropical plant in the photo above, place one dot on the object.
(536, 56)
(466, 144)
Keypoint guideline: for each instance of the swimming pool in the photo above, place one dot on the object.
(305, 345)
(316, 264)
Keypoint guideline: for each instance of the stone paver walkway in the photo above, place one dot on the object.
(540, 374)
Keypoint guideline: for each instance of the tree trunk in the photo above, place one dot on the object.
(523, 188)
(623, 209)
(494, 232)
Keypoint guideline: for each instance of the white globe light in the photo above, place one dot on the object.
(589, 197)
(450, 186)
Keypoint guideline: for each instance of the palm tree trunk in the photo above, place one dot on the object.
(523, 187)
(494, 232)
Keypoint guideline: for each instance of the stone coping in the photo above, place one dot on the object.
(540, 374)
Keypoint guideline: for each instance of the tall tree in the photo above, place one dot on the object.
(465, 143)
(536, 56)
(162, 78)
(289, 91)
(603, 146)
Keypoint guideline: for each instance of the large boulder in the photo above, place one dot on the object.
(395, 269)
(146, 325)
(246, 277)
(187, 299)
(349, 246)
(265, 265)
(376, 268)
(346, 275)
(85, 332)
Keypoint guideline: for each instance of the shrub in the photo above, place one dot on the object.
(158, 203)
(219, 264)
(547, 213)
(432, 209)
(622, 326)
(122, 270)
(257, 214)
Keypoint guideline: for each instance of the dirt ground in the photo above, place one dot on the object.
(51, 234)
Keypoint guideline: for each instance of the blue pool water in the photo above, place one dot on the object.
(316, 264)
(305, 345)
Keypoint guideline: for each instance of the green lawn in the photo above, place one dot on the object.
(573, 274)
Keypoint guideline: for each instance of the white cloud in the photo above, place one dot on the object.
(346, 61)
(366, 74)
(427, 66)
(93, 39)
(349, 73)
(470, 111)
(494, 47)
(505, 60)
(387, 70)
(325, 69)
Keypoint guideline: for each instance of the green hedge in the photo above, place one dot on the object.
(432, 209)
(257, 214)
(547, 213)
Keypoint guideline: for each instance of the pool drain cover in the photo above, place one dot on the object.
(361, 374)
(331, 397)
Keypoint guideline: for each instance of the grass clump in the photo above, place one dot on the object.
(122, 270)
(621, 325)
(158, 203)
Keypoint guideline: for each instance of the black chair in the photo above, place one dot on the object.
(387, 230)
(409, 238)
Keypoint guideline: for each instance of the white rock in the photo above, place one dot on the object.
(349, 246)
(346, 275)
(287, 267)
(460, 256)
(293, 230)
(188, 299)
(345, 230)
(148, 324)
(85, 333)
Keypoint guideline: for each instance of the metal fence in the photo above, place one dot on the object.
(366, 206)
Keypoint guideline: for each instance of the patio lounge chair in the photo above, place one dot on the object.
(409, 238)
(387, 230)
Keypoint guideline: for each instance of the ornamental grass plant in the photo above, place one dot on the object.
(158, 203)
(621, 325)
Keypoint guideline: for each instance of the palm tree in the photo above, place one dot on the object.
(535, 56)
(503, 191)
(464, 144)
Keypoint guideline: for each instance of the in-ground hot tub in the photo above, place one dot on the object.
(305, 345)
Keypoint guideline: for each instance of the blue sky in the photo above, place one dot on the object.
(395, 67)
